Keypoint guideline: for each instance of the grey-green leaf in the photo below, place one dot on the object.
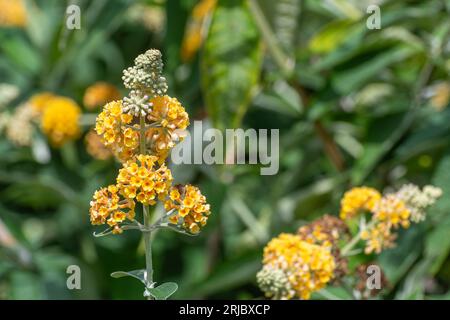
(163, 291)
(137, 274)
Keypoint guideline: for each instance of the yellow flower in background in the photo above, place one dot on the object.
(393, 211)
(95, 146)
(378, 237)
(143, 180)
(171, 118)
(107, 207)
(307, 267)
(440, 96)
(60, 119)
(99, 94)
(357, 200)
(389, 212)
(40, 101)
(193, 37)
(191, 209)
(12, 13)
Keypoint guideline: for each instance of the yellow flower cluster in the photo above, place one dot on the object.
(99, 94)
(107, 207)
(59, 116)
(120, 130)
(328, 231)
(95, 146)
(12, 13)
(170, 117)
(40, 101)
(378, 237)
(190, 205)
(357, 200)
(116, 130)
(141, 180)
(140, 130)
(60, 120)
(193, 38)
(390, 212)
(308, 267)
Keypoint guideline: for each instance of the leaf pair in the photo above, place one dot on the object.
(161, 292)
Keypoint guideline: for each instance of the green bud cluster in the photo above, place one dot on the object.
(145, 81)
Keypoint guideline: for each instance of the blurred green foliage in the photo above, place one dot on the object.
(354, 106)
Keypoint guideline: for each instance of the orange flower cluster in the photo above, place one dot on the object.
(192, 211)
(193, 37)
(389, 213)
(107, 207)
(140, 130)
(99, 94)
(95, 146)
(120, 130)
(170, 117)
(116, 130)
(144, 182)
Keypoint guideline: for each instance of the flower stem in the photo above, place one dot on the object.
(148, 246)
(351, 244)
(347, 248)
(146, 214)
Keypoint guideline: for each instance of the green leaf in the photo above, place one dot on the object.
(137, 274)
(27, 286)
(437, 244)
(163, 291)
(441, 179)
(20, 54)
(398, 261)
(352, 79)
(331, 36)
(227, 276)
(378, 143)
(231, 63)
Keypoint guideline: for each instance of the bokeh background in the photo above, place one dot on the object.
(354, 107)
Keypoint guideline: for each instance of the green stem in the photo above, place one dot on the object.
(351, 244)
(148, 246)
(347, 248)
(146, 214)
